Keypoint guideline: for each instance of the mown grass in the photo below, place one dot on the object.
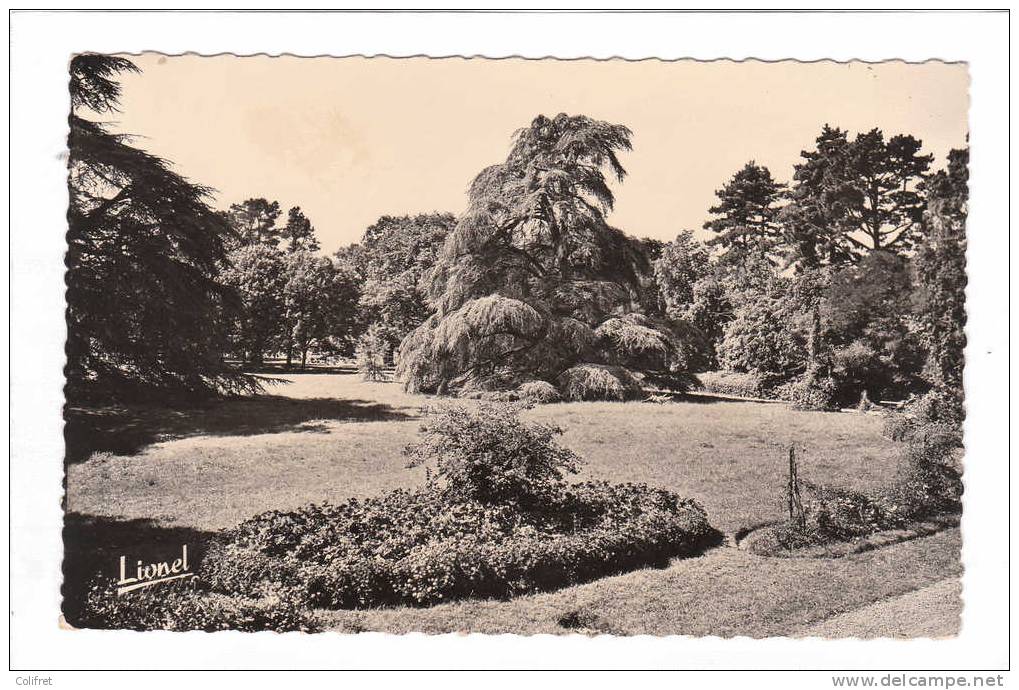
(726, 592)
(328, 437)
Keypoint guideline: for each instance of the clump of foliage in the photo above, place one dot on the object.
(598, 382)
(394, 259)
(370, 353)
(490, 455)
(734, 383)
(495, 519)
(541, 392)
(183, 607)
(533, 279)
(815, 391)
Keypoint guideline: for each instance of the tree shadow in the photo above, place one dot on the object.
(94, 544)
(125, 430)
(281, 369)
(704, 398)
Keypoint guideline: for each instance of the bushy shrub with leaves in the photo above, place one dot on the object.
(495, 519)
(936, 407)
(488, 454)
(737, 383)
(758, 338)
(371, 352)
(181, 607)
(814, 391)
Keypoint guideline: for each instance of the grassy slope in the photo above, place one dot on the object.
(328, 437)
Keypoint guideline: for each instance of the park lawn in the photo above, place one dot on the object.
(328, 437)
(725, 592)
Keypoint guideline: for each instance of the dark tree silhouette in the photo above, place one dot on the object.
(254, 222)
(746, 212)
(144, 309)
(940, 267)
(299, 232)
(851, 197)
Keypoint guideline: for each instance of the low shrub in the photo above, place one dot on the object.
(182, 606)
(839, 514)
(541, 392)
(938, 405)
(370, 353)
(936, 409)
(417, 548)
(735, 383)
(488, 454)
(599, 382)
(897, 426)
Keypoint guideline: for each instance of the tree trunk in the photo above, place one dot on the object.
(304, 357)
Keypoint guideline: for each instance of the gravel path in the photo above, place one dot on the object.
(932, 611)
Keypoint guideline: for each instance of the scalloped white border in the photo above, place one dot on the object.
(41, 44)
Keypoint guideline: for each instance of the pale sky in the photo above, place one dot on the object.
(351, 139)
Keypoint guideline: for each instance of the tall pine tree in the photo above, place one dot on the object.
(746, 212)
(144, 310)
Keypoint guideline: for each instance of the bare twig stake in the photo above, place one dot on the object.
(796, 515)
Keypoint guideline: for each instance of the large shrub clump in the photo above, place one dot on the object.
(496, 518)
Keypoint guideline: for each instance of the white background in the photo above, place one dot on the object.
(41, 44)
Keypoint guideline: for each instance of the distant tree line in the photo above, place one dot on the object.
(848, 279)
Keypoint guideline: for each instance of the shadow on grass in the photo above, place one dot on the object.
(281, 369)
(93, 546)
(705, 398)
(125, 430)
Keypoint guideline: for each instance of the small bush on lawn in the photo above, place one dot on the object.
(541, 392)
(488, 454)
(740, 384)
(598, 382)
(370, 353)
(936, 407)
(497, 519)
(815, 392)
(180, 606)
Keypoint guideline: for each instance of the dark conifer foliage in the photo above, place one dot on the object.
(851, 197)
(533, 280)
(143, 306)
(940, 266)
(746, 210)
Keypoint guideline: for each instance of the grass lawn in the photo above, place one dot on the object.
(332, 436)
